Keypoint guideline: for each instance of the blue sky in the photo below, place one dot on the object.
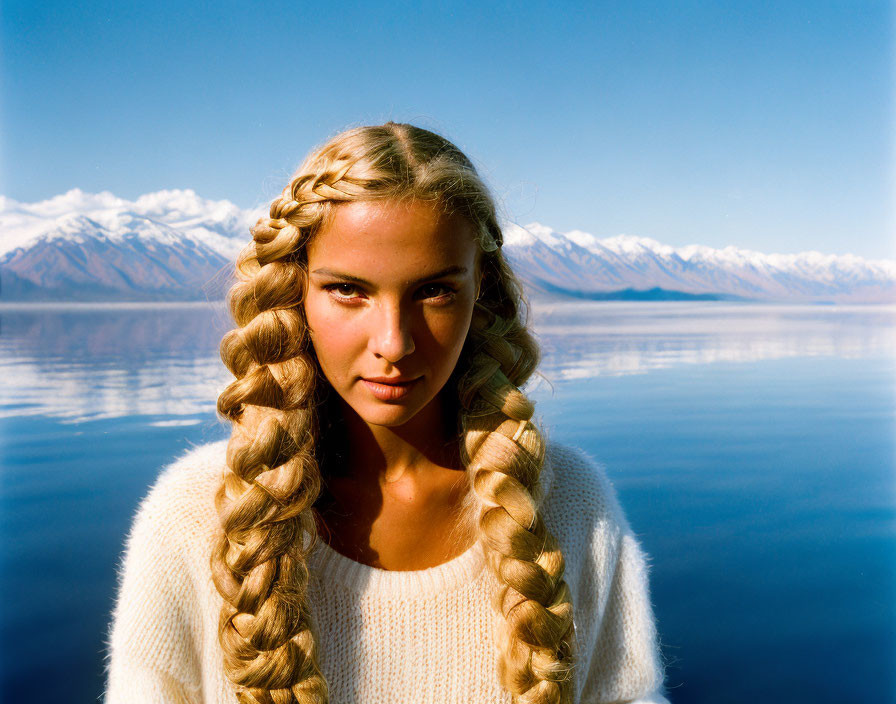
(765, 125)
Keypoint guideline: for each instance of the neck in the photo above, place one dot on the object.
(378, 454)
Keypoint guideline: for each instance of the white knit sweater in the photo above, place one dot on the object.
(418, 637)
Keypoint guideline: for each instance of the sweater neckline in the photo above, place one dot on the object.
(333, 566)
(360, 578)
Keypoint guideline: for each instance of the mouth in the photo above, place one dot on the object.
(391, 389)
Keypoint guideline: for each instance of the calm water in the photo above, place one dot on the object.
(752, 447)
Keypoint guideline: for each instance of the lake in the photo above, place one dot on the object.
(752, 447)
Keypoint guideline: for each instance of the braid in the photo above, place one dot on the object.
(259, 563)
(505, 453)
(259, 567)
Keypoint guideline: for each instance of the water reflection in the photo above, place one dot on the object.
(88, 363)
(78, 363)
(585, 339)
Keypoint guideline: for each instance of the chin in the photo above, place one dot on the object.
(390, 417)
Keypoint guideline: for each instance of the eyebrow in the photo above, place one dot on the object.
(450, 271)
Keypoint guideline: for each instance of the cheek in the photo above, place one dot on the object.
(449, 333)
(331, 338)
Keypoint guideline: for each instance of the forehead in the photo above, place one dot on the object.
(402, 238)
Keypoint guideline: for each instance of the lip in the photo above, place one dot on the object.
(390, 379)
(391, 390)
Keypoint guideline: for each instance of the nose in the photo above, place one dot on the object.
(391, 337)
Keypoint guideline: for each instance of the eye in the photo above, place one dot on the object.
(342, 291)
(440, 292)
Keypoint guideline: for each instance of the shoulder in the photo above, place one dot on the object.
(188, 478)
(607, 573)
(176, 520)
(580, 488)
(164, 578)
(582, 511)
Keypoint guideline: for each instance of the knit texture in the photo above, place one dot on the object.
(417, 637)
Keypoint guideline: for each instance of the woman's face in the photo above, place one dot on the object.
(389, 302)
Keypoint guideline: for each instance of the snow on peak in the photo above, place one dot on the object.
(516, 236)
(632, 245)
(219, 224)
(583, 239)
(545, 234)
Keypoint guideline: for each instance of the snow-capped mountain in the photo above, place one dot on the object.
(217, 223)
(580, 265)
(174, 245)
(169, 245)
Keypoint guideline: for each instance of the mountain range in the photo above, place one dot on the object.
(174, 245)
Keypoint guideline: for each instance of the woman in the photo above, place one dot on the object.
(385, 522)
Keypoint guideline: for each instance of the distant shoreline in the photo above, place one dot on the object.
(537, 303)
(119, 305)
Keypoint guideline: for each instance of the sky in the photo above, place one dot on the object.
(762, 125)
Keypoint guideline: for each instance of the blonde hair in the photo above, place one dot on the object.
(266, 502)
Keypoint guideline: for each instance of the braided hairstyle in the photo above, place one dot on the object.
(266, 501)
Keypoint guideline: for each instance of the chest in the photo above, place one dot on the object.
(398, 527)
(433, 647)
